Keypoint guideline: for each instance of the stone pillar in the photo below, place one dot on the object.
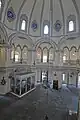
(33, 56)
(61, 58)
(67, 78)
(8, 57)
(20, 86)
(29, 57)
(76, 79)
(57, 57)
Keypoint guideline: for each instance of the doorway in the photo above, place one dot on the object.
(44, 77)
(64, 80)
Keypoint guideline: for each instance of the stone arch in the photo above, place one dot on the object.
(24, 53)
(51, 54)
(49, 41)
(18, 53)
(73, 19)
(39, 54)
(20, 35)
(3, 34)
(25, 18)
(66, 53)
(73, 53)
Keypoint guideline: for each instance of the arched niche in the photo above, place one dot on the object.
(12, 52)
(64, 78)
(73, 53)
(71, 23)
(45, 55)
(23, 23)
(38, 54)
(25, 54)
(18, 54)
(65, 54)
(51, 54)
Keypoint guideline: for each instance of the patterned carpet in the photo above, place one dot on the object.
(35, 105)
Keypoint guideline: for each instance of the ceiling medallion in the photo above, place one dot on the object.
(57, 25)
(34, 25)
(10, 14)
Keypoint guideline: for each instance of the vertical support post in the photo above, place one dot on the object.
(67, 79)
(26, 84)
(20, 87)
(15, 86)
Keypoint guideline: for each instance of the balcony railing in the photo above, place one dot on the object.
(38, 61)
(71, 62)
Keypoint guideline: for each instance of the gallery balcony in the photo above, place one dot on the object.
(72, 62)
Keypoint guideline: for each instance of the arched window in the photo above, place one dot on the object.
(45, 55)
(23, 25)
(64, 58)
(18, 54)
(73, 53)
(51, 55)
(71, 26)
(64, 76)
(46, 29)
(71, 23)
(25, 54)
(0, 4)
(12, 52)
(65, 54)
(39, 53)
(12, 55)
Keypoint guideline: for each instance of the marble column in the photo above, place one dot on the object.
(57, 57)
(61, 58)
(33, 56)
(67, 78)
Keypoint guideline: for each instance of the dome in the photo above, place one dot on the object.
(37, 13)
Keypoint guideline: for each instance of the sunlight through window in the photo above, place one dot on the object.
(64, 58)
(23, 26)
(63, 77)
(46, 29)
(16, 58)
(12, 54)
(0, 3)
(44, 59)
(71, 26)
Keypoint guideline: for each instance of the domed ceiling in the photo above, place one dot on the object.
(54, 13)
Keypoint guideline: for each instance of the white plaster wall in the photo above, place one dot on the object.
(70, 42)
(72, 80)
(57, 15)
(16, 6)
(69, 9)
(36, 16)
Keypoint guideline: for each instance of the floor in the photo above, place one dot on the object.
(37, 104)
